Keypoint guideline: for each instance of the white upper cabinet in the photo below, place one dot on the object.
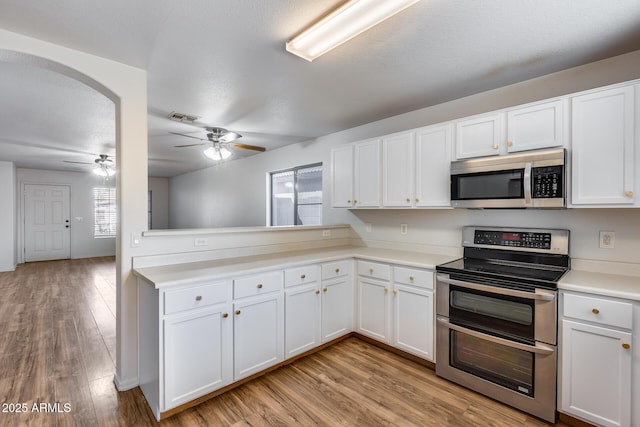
(367, 174)
(536, 126)
(603, 145)
(342, 177)
(433, 160)
(397, 170)
(480, 136)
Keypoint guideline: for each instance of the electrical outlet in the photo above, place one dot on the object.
(200, 241)
(403, 228)
(326, 233)
(607, 239)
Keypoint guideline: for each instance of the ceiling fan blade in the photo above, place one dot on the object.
(249, 147)
(80, 163)
(229, 136)
(190, 145)
(188, 136)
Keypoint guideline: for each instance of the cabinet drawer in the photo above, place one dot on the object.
(331, 270)
(600, 310)
(195, 297)
(374, 270)
(257, 285)
(413, 276)
(299, 275)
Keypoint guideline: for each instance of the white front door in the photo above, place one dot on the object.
(46, 222)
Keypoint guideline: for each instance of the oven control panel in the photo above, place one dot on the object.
(513, 239)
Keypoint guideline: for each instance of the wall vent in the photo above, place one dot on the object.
(182, 117)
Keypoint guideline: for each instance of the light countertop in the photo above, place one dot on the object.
(605, 284)
(193, 272)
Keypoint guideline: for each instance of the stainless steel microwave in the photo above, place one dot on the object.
(533, 179)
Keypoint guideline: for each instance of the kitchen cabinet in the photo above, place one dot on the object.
(398, 170)
(302, 302)
(355, 175)
(337, 299)
(342, 177)
(527, 127)
(258, 324)
(604, 145)
(413, 311)
(374, 303)
(433, 160)
(596, 357)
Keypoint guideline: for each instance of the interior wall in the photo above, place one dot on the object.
(83, 244)
(8, 251)
(234, 193)
(159, 188)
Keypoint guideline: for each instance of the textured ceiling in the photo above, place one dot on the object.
(225, 61)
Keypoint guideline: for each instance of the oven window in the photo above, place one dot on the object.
(488, 185)
(502, 315)
(509, 367)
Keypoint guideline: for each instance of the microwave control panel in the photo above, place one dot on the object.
(547, 182)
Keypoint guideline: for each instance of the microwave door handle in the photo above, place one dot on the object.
(496, 290)
(527, 184)
(538, 348)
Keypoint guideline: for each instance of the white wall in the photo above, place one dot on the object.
(234, 194)
(159, 188)
(83, 244)
(8, 252)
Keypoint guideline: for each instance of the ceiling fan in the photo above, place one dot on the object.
(104, 165)
(220, 140)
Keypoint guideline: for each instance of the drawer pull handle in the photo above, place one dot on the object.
(259, 285)
(198, 297)
(225, 315)
(303, 276)
(318, 292)
(595, 311)
(337, 270)
(626, 346)
(237, 312)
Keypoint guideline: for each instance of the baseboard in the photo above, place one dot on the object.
(573, 422)
(122, 385)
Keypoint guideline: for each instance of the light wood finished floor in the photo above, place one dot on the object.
(57, 345)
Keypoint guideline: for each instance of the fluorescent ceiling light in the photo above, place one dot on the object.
(346, 22)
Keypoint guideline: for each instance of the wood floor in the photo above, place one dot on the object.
(57, 352)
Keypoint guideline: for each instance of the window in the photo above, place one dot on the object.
(104, 212)
(296, 196)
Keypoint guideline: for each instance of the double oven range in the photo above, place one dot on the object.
(496, 315)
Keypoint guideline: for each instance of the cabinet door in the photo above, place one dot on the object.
(198, 354)
(413, 320)
(337, 307)
(373, 309)
(603, 148)
(367, 174)
(258, 337)
(536, 126)
(479, 136)
(433, 160)
(302, 319)
(342, 177)
(596, 372)
(397, 170)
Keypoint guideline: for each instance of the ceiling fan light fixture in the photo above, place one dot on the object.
(103, 171)
(217, 153)
(347, 21)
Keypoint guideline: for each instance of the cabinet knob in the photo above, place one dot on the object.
(595, 311)
(411, 278)
(337, 270)
(355, 202)
(198, 297)
(349, 201)
(325, 290)
(386, 290)
(626, 346)
(408, 200)
(237, 312)
(628, 193)
(395, 292)
(371, 271)
(417, 200)
(509, 143)
(302, 276)
(317, 291)
(495, 146)
(225, 315)
(259, 286)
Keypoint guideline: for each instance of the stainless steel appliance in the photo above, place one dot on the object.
(534, 179)
(496, 317)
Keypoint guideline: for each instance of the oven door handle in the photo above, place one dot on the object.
(497, 290)
(538, 348)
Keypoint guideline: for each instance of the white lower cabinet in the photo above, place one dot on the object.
(596, 359)
(396, 306)
(302, 302)
(258, 324)
(337, 299)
